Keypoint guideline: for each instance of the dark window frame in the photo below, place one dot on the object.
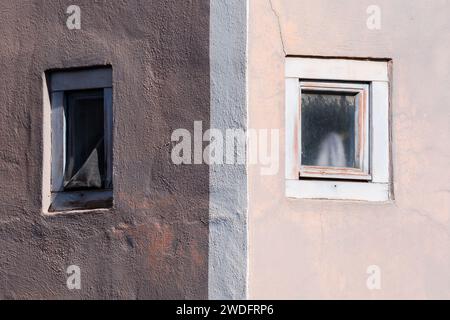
(62, 82)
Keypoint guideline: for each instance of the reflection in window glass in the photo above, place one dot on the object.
(328, 129)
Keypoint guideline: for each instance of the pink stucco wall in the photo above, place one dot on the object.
(319, 248)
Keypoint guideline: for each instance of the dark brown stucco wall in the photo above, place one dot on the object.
(154, 242)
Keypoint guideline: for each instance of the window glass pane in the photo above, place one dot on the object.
(85, 147)
(328, 129)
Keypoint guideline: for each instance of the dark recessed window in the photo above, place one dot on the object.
(81, 139)
(85, 141)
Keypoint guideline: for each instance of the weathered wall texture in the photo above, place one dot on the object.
(228, 183)
(154, 243)
(321, 249)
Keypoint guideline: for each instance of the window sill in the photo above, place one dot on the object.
(77, 212)
(338, 190)
(81, 201)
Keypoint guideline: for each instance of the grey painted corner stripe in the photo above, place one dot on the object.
(228, 183)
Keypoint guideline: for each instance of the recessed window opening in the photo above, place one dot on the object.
(337, 129)
(81, 152)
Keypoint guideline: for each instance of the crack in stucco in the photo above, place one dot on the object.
(279, 27)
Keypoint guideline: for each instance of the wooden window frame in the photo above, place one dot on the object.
(362, 136)
(61, 82)
(373, 182)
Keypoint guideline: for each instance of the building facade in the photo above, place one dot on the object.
(224, 149)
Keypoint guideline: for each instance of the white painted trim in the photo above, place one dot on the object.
(376, 74)
(380, 132)
(337, 190)
(362, 138)
(293, 132)
(46, 146)
(336, 69)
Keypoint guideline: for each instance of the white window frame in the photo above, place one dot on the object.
(60, 200)
(361, 92)
(376, 174)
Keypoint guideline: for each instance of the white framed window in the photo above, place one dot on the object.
(80, 110)
(334, 123)
(337, 129)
